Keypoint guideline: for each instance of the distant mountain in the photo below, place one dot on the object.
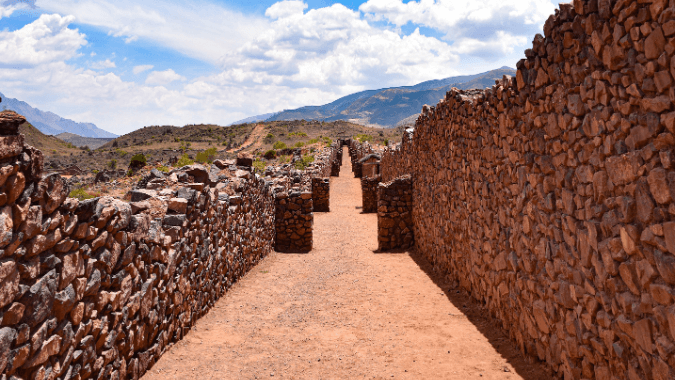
(392, 107)
(255, 119)
(79, 141)
(50, 123)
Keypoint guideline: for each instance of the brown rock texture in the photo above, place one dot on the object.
(321, 194)
(550, 195)
(369, 194)
(294, 219)
(394, 214)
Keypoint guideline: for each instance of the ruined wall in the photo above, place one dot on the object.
(357, 151)
(369, 194)
(549, 197)
(101, 288)
(321, 194)
(294, 221)
(394, 214)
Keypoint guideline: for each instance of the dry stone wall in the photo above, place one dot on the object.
(394, 214)
(550, 196)
(101, 288)
(369, 194)
(294, 222)
(321, 194)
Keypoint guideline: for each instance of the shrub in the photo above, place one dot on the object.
(386, 142)
(299, 144)
(259, 166)
(270, 154)
(163, 169)
(183, 161)
(284, 159)
(112, 164)
(304, 163)
(206, 156)
(269, 138)
(121, 152)
(138, 161)
(279, 145)
(299, 134)
(80, 194)
(313, 141)
(130, 173)
(363, 137)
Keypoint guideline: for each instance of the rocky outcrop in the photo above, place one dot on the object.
(549, 197)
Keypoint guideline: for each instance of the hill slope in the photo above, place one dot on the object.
(80, 141)
(50, 123)
(391, 107)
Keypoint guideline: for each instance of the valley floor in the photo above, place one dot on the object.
(345, 312)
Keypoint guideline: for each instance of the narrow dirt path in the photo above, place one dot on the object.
(253, 141)
(344, 312)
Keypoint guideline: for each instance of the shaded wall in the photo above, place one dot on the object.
(549, 197)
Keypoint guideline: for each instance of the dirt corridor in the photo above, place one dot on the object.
(344, 312)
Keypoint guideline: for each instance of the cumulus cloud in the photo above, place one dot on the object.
(162, 78)
(169, 23)
(6, 11)
(334, 46)
(486, 28)
(141, 68)
(48, 39)
(101, 65)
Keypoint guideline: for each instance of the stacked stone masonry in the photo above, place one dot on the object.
(294, 222)
(550, 196)
(100, 288)
(369, 194)
(394, 214)
(321, 194)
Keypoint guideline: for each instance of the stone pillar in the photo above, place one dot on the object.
(394, 214)
(369, 194)
(293, 222)
(321, 194)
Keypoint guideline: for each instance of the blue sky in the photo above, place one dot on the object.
(125, 64)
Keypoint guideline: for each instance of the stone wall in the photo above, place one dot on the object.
(357, 151)
(101, 288)
(294, 221)
(321, 194)
(394, 214)
(549, 197)
(369, 194)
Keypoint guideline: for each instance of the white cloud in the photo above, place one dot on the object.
(486, 28)
(286, 8)
(141, 68)
(101, 65)
(48, 39)
(199, 29)
(334, 47)
(6, 11)
(162, 78)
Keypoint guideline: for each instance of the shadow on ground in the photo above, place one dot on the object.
(528, 367)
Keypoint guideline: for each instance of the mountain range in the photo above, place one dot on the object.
(50, 123)
(389, 107)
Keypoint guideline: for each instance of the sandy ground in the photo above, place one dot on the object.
(345, 312)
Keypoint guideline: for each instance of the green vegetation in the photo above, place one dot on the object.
(270, 154)
(304, 163)
(259, 166)
(183, 161)
(163, 169)
(284, 159)
(327, 140)
(138, 161)
(313, 141)
(279, 145)
(363, 137)
(206, 156)
(81, 194)
(299, 144)
(386, 142)
(298, 134)
(112, 164)
(121, 152)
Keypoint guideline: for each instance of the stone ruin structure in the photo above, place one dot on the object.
(101, 288)
(550, 197)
